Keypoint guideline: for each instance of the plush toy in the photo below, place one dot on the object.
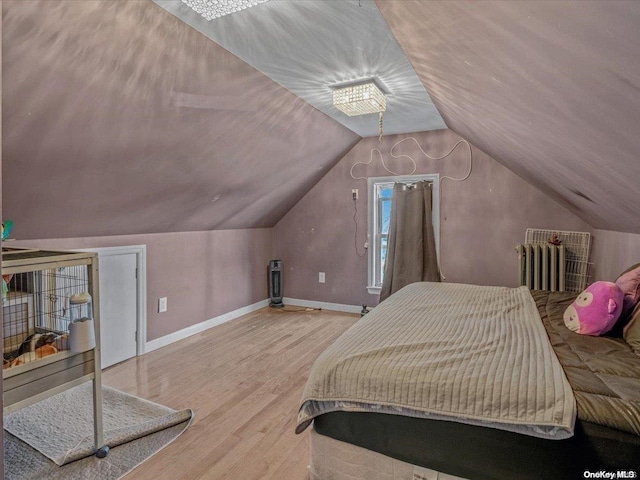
(595, 310)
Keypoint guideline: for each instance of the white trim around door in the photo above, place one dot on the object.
(141, 271)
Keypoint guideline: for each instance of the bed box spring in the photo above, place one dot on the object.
(591, 364)
(336, 460)
(474, 452)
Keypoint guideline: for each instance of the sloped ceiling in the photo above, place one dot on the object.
(308, 46)
(118, 118)
(550, 89)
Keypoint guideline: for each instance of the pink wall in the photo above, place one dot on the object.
(613, 252)
(203, 274)
(482, 219)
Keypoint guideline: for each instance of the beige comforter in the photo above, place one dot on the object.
(463, 353)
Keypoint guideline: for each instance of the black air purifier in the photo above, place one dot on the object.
(275, 284)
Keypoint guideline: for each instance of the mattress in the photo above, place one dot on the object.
(465, 353)
(602, 371)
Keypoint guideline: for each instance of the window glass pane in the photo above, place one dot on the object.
(386, 190)
(386, 216)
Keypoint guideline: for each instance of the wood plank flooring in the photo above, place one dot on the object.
(244, 380)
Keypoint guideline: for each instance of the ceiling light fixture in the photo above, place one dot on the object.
(360, 98)
(211, 9)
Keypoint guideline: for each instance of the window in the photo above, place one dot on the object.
(379, 191)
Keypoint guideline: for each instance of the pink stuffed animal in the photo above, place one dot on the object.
(595, 310)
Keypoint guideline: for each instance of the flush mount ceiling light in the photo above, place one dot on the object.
(359, 99)
(211, 9)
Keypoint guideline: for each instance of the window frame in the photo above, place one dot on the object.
(373, 240)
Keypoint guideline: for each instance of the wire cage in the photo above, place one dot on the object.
(38, 307)
(49, 343)
(577, 248)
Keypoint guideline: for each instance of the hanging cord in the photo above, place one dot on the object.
(415, 166)
(380, 127)
(355, 238)
(445, 177)
(369, 163)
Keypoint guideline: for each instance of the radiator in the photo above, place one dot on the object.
(542, 267)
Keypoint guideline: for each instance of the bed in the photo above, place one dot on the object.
(472, 382)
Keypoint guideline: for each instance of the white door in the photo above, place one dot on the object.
(118, 307)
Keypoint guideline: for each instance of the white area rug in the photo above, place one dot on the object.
(61, 429)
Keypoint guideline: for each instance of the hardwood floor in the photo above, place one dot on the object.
(244, 380)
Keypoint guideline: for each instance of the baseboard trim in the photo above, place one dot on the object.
(338, 307)
(202, 326)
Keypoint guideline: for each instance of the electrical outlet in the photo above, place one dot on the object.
(321, 277)
(354, 193)
(162, 304)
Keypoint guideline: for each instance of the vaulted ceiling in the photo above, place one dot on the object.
(549, 88)
(120, 118)
(312, 46)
